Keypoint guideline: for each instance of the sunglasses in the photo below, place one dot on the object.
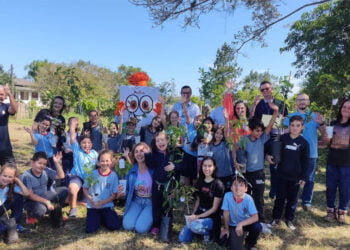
(265, 89)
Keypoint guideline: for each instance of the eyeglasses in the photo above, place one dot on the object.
(265, 89)
(185, 93)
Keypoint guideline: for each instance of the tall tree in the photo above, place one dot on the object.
(321, 43)
(213, 80)
(5, 76)
(33, 68)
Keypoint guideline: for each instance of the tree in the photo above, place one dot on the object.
(213, 80)
(5, 76)
(321, 43)
(264, 14)
(167, 89)
(33, 68)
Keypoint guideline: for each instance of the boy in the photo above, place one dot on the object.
(240, 215)
(291, 172)
(255, 159)
(40, 200)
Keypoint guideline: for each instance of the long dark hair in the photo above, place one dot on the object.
(201, 174)
(12, 185)
(61, 98)
(219, 127)
(247, 114)
(339, 115)
(160, 127)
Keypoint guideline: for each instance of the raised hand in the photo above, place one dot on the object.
(57, 157)
(319, 118)
(28, 130)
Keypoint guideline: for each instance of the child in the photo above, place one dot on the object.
(222, 156)
(100, 195)
(129, 137)
(291, 172)
(42, 139)
(240, 215)
(83, 157)
(158, 159)
(114, 141)
(189, 162)
(147, 133)
(12, 191)
(40, 200)
(254, 147)
(173, 119)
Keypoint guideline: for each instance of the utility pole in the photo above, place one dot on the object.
(11, 80)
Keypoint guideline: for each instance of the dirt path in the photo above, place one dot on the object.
(22, 147)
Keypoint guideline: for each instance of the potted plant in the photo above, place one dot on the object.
(122, 167)
(10, 235)
(186, 196)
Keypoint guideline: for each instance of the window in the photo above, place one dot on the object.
(35, 95)
(24, 95)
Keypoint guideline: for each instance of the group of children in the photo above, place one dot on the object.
(93, 173)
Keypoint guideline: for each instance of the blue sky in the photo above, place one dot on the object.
(114, 32)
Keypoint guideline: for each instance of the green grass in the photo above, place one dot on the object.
(313, 232)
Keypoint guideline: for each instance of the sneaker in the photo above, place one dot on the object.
(206, 239)
(274, 222)
(342, 216)
(331, 215)
(155, 230)
(265, 228)
(31, 220)
(290, 225)
(22, 229)
(306, 207)
(73, 213)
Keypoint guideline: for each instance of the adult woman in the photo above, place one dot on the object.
(338, 165)
(138, 208)
(205, 218)
(55, 115)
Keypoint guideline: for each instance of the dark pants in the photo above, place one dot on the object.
(158, 211)
(227, 181)
(189, 166)
(236, 242)
(16, 207)
(106, 216)
(37, 209)
(273, 181)
(286, 196)
(257, 180)
(6, 156)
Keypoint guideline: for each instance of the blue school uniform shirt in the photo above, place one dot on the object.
(223, 158)
(106, 186)
(44, 144)
(255, 152)
(80, 159)
(191, 135)
(4, 191)
(309, 132)
(238, 211)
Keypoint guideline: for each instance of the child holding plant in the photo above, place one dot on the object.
(100, 189)
(84, 158)
(205, 219)
(159, 161)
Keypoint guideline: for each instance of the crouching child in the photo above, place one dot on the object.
(40, 200)
(240, 216)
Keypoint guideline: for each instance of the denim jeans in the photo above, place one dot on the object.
(308, 189)
(139, 215)
(338, 178)
(16, 207)
(200, 226)
(106, 216)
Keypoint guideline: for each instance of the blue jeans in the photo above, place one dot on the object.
(200, 226)
(338, 178)
(308, 189)
(139, 215)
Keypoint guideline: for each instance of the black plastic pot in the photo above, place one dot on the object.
(166, 228)
(11, 235)
(56, 217)
(276, 151)
(241, 158)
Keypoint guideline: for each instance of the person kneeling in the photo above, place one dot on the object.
(100, 188)
(240, 215)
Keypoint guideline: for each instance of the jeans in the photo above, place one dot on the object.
(286, 191)
(37, 209)
(139, 215)
(16, 207)
(200, 226)
(338, 178)
(107, 216)
(308, 189)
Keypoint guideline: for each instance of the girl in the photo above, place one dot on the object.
(138, 208)
(238, 127)
(84, 157)
(12, 191)
(43, 139)
(205, 218)
(158, 159)
(338, 166)
(222, 156)
(203, 138)
(100, 189)
(147, 133)
(173, 118)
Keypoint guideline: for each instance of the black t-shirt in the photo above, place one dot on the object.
(207, 192)
(5, 144)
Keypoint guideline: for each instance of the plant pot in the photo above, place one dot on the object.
(11, 235)
(276, 151)
(123, 184)
(329, 131)
(241, 157)
(187, 220)
(56, 217)
(166, 229)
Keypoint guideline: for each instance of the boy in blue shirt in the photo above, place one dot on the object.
(240, 215)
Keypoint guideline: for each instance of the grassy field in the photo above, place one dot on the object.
(313, 232)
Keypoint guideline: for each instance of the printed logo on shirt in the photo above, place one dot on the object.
(205, 189)
(293, 147)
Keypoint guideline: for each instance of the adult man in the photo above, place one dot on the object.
(187, 110)
(261, 108)
(6, 109)
(312, 122)
(94, 128)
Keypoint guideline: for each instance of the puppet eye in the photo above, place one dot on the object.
(146, 104)
(132, 103)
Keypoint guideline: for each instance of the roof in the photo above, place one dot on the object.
(20, 82)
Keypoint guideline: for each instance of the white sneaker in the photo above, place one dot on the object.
(290, 225)
(265, 228)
